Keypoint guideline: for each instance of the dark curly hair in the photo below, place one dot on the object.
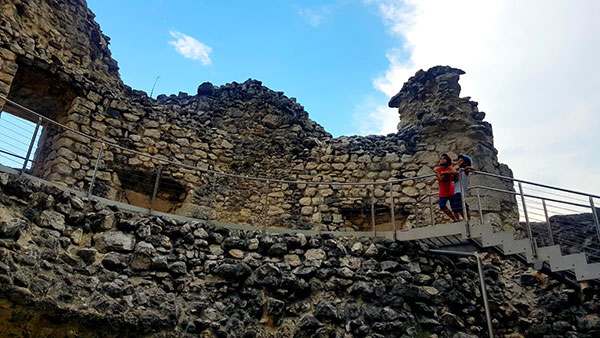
(448, 159)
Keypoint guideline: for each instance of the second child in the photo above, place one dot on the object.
(461, 184)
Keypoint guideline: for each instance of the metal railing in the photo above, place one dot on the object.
(163, 176)
(553, 216)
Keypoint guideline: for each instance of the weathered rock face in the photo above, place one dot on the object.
(192, 278)
(63, 69)
(156, 276)
(432, 111)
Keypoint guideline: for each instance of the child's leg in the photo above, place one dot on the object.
(456, 204)
(451, 214)
(442, 203)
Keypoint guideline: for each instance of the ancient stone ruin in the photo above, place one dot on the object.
(73, 266)
(63, 69)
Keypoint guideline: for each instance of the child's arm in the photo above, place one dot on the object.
(451, 172)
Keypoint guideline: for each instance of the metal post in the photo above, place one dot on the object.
(595, 216)
(548, 222)
(373, 210)
(155, 188)
(37, 127)
(529, 232)
(393, 209)
(480, 209)
(431, 210)
(266, 208)
(488, 316)
(461, 179)
(96, 169)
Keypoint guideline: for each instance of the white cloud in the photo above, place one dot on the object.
(191, 48)
(372, 118)
(315, 16)
(532, 65)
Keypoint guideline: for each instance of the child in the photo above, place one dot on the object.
(445, 175)
(461, 184)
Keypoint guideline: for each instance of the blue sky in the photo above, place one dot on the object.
(324, 53)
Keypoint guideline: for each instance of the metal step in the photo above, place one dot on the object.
(551, 254)
(440, 230)
(587, 272)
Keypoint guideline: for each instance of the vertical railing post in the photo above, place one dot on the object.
(266, 207)
(488, 315)
(480, 209)
(373, 210)
(37, 127)
(548, 222)
(461, 181)
(431, 210)
(529, 232)
(393, 210)
(595, 216)
(91, 189)
(156, 182)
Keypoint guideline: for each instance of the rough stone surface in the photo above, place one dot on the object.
(114, 241)
(173, 282)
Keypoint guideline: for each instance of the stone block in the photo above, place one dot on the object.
(114, 241)
(306, 211)
(153, 133)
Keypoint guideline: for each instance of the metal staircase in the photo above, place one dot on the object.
(456, 234)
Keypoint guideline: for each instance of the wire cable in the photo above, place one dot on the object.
(14, 139)
(16, 125)
(555, 194)
(17, 133)
(11, 159)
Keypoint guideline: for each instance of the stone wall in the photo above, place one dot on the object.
(73, 267)
(239, 128)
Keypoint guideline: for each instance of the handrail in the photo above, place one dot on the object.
(255, 178)
(526, 195)
(536, 184)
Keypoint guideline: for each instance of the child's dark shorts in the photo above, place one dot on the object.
(456, 203)
(443, 201)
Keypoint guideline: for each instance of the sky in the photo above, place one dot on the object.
(531, 65)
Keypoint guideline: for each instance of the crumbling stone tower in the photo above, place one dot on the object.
(435, 116)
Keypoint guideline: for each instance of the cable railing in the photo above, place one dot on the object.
(555, 216)
(109, 170)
